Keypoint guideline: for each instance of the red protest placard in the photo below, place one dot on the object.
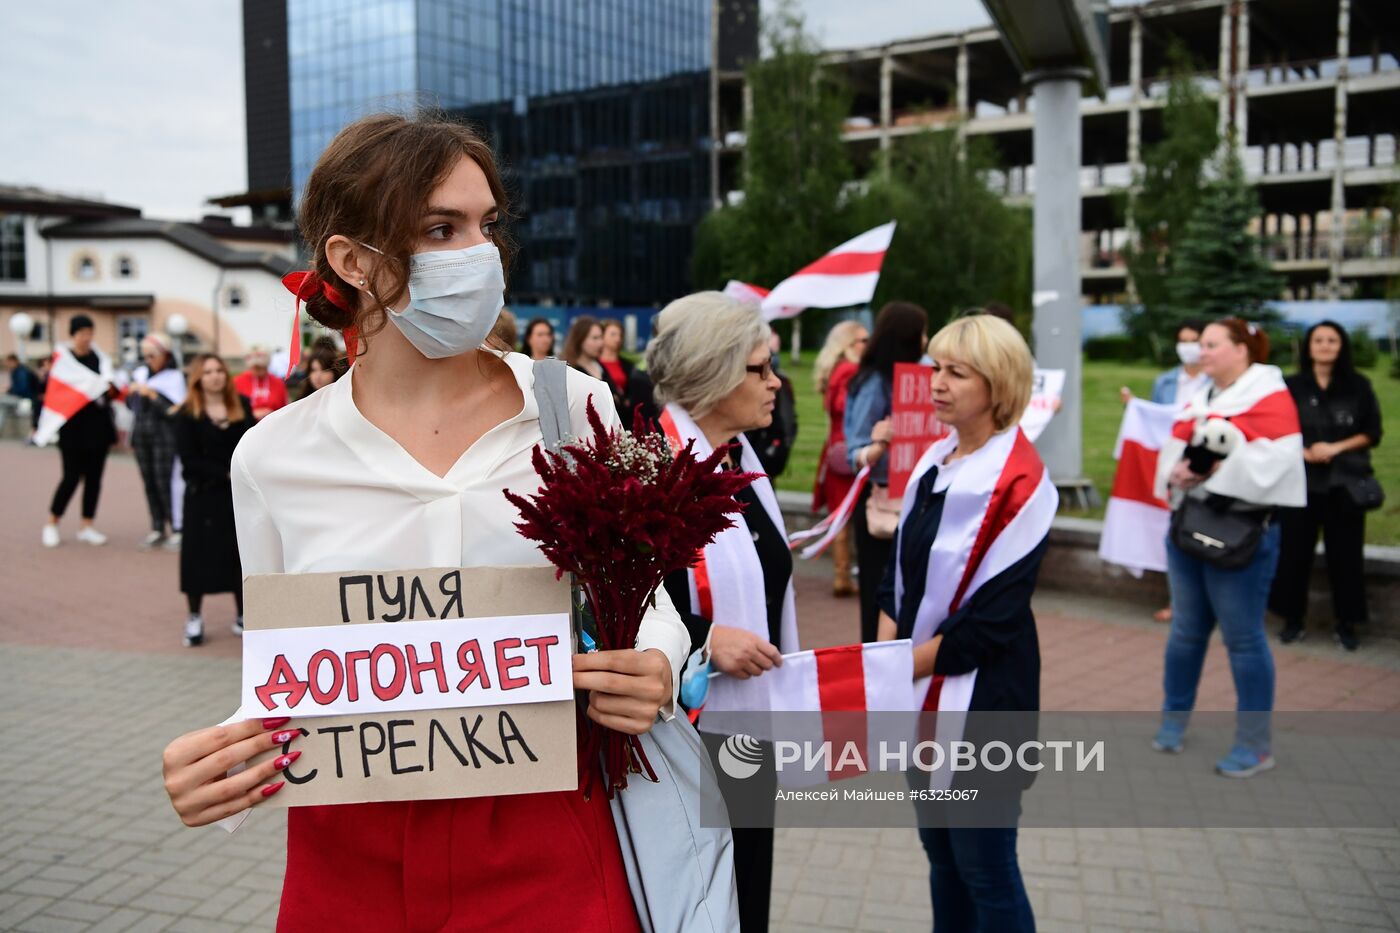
(915, 425)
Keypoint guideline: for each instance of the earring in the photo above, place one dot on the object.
(362, 283)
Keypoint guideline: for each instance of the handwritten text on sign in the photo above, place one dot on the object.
(914, 422)
(383, 667)
(1046, 389)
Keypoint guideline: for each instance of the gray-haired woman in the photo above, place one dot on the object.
(709, 360)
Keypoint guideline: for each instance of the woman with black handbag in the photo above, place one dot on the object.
(1341, 422)
(1234, 456)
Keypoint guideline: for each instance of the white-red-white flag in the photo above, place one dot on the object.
(70, 388)
(836, 682)
(743, 291)
(1258, 412)
(843, 277)
(1135, 522)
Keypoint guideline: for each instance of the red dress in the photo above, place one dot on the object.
(532, 862)
(831, 487)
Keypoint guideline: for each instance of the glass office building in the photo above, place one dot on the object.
(347, 58)
(599, 111)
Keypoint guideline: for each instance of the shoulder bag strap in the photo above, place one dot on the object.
(552, 397)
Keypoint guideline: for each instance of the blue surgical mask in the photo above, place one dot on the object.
(454, 298)
(695, 681)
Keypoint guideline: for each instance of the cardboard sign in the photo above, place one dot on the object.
(915, 425)
(389, 667)
(1047, 387)
(451, 682)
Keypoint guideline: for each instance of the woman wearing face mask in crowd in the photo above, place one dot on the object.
(401, 464)
(1177, 386)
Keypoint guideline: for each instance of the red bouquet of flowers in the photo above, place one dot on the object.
(620, 511)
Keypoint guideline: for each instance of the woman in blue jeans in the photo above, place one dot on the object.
(971, 537)
(1236, 447)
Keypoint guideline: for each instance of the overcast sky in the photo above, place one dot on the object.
(141, 101)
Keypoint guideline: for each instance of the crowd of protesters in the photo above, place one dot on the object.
(1258, 462)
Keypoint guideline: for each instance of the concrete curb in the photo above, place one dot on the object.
(1073, 564)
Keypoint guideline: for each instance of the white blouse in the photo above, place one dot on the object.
(318, 488)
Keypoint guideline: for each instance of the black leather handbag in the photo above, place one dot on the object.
(1209, 530)
(1358, 483)
(1365, 493)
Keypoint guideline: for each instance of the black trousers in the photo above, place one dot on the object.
(1343, 528)
(871, 556)
(196, 601)
(85, 465)
(752, 805)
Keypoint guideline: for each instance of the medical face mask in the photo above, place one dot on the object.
(454, 298)
(1188, 353)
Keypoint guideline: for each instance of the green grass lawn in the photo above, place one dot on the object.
(1102, 413)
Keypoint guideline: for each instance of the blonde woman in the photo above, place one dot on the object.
(208, 426)
(959, 584)
(838, 361)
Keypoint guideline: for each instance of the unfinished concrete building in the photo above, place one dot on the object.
(1311, 87)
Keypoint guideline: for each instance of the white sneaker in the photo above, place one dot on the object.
(238, 626)
(90, 535)
(172, 543)
(194, 630)
(152, 539)
(51, 538)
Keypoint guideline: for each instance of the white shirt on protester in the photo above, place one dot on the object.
(318, 488)
(1188, 386)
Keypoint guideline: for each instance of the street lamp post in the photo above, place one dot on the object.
(22, 325)
(177, 327)
(1060, 47)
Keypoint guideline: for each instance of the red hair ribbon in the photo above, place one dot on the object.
(304, 285)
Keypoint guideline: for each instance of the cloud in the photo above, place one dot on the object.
(139, 102)
(841, 24)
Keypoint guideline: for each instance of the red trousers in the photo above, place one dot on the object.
(523, 863)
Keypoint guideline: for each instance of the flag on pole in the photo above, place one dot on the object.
(843, 277)
(835, 682)
(70, 388)
(1135, 522)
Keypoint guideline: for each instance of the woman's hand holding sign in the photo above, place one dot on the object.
(626, 688)
(196, 767)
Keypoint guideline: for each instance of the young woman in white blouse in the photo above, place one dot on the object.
(401, 464)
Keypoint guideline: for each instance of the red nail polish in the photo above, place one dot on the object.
(282, 738)
(271, 789)
(286, 759)
(276, 723)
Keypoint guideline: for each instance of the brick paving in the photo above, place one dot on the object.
(88, 842)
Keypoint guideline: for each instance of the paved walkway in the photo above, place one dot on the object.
(93, 683)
